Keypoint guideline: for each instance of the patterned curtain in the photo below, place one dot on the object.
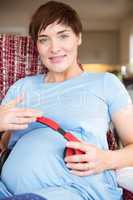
(18, 58)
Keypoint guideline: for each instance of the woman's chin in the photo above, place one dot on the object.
(58, 69)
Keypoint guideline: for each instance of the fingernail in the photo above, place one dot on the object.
(65, 159)
(67, 144)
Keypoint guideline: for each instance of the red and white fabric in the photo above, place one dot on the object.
(18, 58)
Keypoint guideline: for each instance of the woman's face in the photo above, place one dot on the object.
(58, 47)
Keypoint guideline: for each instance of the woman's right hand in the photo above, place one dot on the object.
(14, 118)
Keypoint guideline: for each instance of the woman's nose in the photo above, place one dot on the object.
(55, 47)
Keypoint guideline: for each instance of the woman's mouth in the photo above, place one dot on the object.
(57, 59)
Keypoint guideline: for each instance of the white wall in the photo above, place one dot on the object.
(126, 46)
(131, 47)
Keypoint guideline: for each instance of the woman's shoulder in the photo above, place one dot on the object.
(23, 85)
(28, 80)
(102, 78)
(111, 76)
(101, 75)
(32, 78)
(103, 83)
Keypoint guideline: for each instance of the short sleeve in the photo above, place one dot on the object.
(14, 91)
(115, 93)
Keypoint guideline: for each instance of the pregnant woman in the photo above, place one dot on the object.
(82, 103)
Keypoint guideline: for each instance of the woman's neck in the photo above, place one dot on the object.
(62, 76)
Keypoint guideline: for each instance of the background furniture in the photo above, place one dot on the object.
(19, 58)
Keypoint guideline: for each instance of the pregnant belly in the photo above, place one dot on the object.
(35, 162)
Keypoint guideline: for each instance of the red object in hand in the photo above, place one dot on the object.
(69, 151)
(68, 136)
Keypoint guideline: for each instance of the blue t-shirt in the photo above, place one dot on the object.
(83, 105)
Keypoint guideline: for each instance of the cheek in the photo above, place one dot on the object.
(42, 51)
(71, 47)
(73, 51)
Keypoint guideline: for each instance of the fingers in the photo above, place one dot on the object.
(26, 112)
(93, 161)
(23, 120)
(13, 127)
(82, 173)
(78, 145)
(19, 118)
(81, 166)
(84, 169)
(20, 112)
(77, 158)
(15, 118)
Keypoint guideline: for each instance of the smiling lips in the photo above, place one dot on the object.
(56, 59)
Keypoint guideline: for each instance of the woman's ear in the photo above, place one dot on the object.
(79, 39)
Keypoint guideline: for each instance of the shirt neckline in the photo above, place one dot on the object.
(65, 81)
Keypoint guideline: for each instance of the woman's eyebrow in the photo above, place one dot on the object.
(59, 32)
(41, 36)
(63, 31)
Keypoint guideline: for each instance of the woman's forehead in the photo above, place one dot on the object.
(55, 28)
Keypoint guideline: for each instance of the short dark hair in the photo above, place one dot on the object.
(53, 11)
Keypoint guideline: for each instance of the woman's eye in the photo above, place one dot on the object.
(43, 40)
(64, 36)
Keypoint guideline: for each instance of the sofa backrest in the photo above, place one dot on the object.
(18, 58)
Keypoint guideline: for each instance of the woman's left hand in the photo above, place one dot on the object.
(94, 160)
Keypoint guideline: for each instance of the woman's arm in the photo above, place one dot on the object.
(123, 121)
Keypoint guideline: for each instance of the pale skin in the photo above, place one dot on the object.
(58, 48)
